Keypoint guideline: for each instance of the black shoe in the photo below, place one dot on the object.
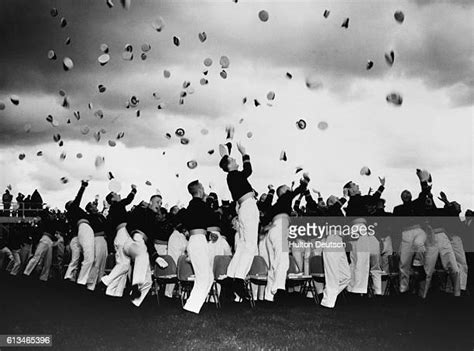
(279, 297)
(238, 286)
(100, 287)
(135, 292)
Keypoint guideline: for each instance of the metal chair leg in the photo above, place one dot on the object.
(314, 291)
(248, 286)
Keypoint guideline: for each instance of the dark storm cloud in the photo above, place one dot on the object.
(433, 45)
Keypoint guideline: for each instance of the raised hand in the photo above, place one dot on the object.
(134, 186)
(345, 192)
(382, 181)
(241, 148)
(442, 197)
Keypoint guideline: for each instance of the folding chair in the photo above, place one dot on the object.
(316, 270)
(295, 277)
(221, 263)
(185, 277)
(163, 276)
(257, 275)
(373, 262)
(440, 275)
(392, 276)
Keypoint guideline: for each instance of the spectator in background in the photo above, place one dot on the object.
(7, 202)
(27, 206)
(36, 202)
(44, 250)
(19, 200)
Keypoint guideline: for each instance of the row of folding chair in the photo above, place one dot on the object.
(181, 273)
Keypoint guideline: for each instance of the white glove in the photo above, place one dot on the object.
(161, 262)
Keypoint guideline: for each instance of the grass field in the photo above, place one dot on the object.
(79, 320)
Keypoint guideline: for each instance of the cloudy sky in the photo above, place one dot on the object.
(433, 71)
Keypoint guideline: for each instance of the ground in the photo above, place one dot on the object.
(79, 320)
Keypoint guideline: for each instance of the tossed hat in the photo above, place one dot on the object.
(345, 24)
(395, 99)
(68, 64)
(158, 24)
(192, 164)
(301, 124)
(365, 171)
(263, 16)
(390, 58)
(176, 41)
(399, 16)
(323, 125)
(224, 62)
(51, 55)
(15, 100)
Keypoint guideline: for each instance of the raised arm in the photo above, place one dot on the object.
(128, 200)
(269, 199)
(297, 205)
(425, 179)
(247, 171)
(77, 200)
(380, 189)
(309, 199)
(300, 189)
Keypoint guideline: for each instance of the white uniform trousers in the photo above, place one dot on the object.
(117, 278)
(5, 252)
(137, 251)
(365, 260)
(15, 263)
(100, 258)
(177, 245)
(198, 250)
(278, 267)
(438, 244)
(43, 254)
(85, 236)
(336, 271)
(161, 249)
(75, 258)
(249, 217)
(460, 255)
(413, 242)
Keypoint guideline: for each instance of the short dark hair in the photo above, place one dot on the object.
(224, 163)
(89, 207)
(193, 187)
(280, 189)
(156, 195)
(348, 185)
(108, 198)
